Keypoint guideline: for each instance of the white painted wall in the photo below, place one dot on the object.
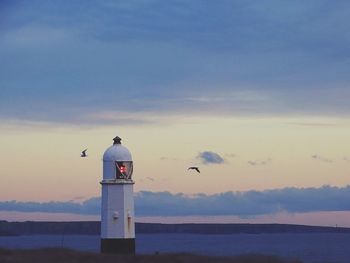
(117, 215)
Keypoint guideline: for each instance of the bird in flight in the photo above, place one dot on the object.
(194, 168)
(83, 153)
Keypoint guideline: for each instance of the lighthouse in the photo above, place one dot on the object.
(117, 210)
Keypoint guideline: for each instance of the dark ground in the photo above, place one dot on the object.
(93, 228)
(54, 255)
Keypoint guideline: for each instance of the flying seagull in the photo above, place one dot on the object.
(194, 168)
(83, 153)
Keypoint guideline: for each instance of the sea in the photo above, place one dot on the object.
(308, 247)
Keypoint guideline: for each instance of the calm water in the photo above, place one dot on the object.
(307, 247)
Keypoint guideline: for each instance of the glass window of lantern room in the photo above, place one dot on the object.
(123, 170)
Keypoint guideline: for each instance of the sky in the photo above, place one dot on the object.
(253, 92)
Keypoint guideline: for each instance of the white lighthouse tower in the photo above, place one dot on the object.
(117, 213)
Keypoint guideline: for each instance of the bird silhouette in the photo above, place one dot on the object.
(194, 168)
(83, 153)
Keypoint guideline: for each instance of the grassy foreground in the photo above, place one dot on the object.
(55, 255)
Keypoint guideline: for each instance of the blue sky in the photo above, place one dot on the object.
(256, 92)
(66, 61)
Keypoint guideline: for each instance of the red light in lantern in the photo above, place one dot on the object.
(122, 169)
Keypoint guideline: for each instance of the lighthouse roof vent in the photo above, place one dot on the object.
(117, 152)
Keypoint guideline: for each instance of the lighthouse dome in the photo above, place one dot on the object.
(117, 162)
(117, 153)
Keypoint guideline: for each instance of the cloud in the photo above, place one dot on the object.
(88, 207)
(79, 59)
(164, 158)
(78, 199)
(260, 162)
(208, 157)
(316, 124)
(345, 158)
(250, 203)
(321, 158)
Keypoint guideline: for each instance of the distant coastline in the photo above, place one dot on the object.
(93, 228)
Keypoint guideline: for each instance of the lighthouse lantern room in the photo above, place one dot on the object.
(117, 211)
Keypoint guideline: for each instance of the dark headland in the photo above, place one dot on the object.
(93, 228)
